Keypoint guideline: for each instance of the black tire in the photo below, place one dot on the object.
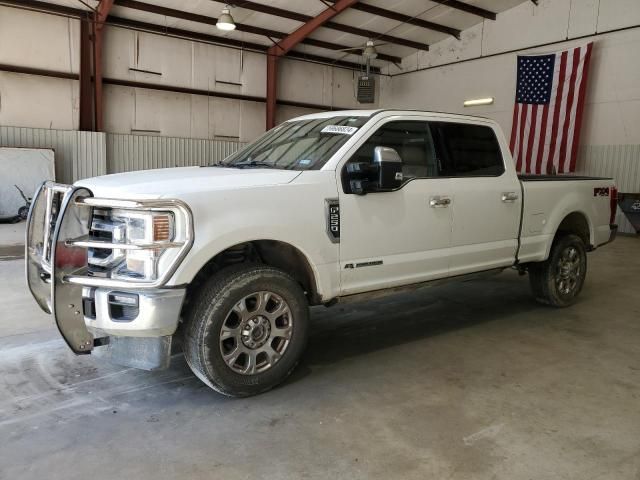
(211, 309)
(23, 213)
(546, 278)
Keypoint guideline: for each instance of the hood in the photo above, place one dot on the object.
(170, 182)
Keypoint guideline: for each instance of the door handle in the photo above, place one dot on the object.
(439, 202)
(508, 197)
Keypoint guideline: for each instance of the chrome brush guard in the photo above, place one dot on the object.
(58, 246)
(54, 218)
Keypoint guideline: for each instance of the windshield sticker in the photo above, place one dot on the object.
(304, 161)
(339, 129)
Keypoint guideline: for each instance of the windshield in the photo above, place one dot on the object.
(297, 145)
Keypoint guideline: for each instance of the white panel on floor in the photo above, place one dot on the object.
(23, 169)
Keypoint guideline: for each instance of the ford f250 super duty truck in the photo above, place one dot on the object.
(326, 207)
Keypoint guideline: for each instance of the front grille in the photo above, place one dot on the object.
(103, 228)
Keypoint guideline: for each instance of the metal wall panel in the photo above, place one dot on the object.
(89, 155)
(141, 152)
(77, 154)
(622, 162)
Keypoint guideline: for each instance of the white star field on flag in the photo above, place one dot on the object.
(535, 76)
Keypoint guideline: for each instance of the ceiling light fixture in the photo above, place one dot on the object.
(370, 51)
(478, 101)
(225, 21)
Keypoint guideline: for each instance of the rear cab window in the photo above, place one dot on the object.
(467, 150)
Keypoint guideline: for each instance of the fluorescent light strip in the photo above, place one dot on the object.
(478, 101)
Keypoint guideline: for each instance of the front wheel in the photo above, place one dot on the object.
(558, 280)
(246, 329)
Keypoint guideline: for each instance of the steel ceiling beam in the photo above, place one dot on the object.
(224, 41)
(401, 17)
(54, 9)
(86, 117)
(162, 87)
(270, 34)
(283, 47)
(465, 7)
(302, 33)
(301, 17)
(100, 18)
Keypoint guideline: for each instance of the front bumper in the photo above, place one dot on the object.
(152, 313)
(85, 306)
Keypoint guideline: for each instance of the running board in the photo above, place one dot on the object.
(375, 294)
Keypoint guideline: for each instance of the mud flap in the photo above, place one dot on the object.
(145, 353)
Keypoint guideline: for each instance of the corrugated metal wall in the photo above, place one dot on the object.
(141, 152)
(88, 154)
(77, 154)
(621, 162)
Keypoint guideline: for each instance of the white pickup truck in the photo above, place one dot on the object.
(326, 207)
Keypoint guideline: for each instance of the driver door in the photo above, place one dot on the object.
(396, 237)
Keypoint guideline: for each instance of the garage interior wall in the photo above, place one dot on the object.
(49, 42)
(483, 64)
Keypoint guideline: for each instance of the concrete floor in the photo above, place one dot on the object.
(11, 240)
(464, 381)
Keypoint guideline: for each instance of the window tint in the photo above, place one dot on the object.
(411, 139)
(467, 150)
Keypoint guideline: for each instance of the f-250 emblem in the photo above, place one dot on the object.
(333, 220)
(601, 192)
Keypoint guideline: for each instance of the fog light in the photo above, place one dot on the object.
(123, 307)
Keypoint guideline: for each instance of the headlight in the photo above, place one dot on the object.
(146, 242)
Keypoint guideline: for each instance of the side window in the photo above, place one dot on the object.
(411, 139)
(467, 150)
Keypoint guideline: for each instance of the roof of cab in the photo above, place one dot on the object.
(371, 113)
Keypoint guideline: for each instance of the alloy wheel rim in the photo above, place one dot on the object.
(256, 333)
(568, 271)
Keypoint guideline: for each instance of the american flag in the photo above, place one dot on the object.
(547, 116)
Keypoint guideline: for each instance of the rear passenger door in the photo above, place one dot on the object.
(486, 200)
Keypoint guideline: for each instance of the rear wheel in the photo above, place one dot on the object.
(558, 280)
(246, 330)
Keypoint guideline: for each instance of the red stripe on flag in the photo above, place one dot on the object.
(515, 135)
(542, 138)
(523, 119)
(562, 160)
(556, 113)
(514, 129)
(532, 134)
(581, 94)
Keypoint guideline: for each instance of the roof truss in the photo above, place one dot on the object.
(301, 17)
(465, 7)
(270, 34)
(401, 17)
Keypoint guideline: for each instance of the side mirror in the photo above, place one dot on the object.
(383, 174)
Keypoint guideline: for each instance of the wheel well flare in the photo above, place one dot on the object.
(277, 254)
(575, 223)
